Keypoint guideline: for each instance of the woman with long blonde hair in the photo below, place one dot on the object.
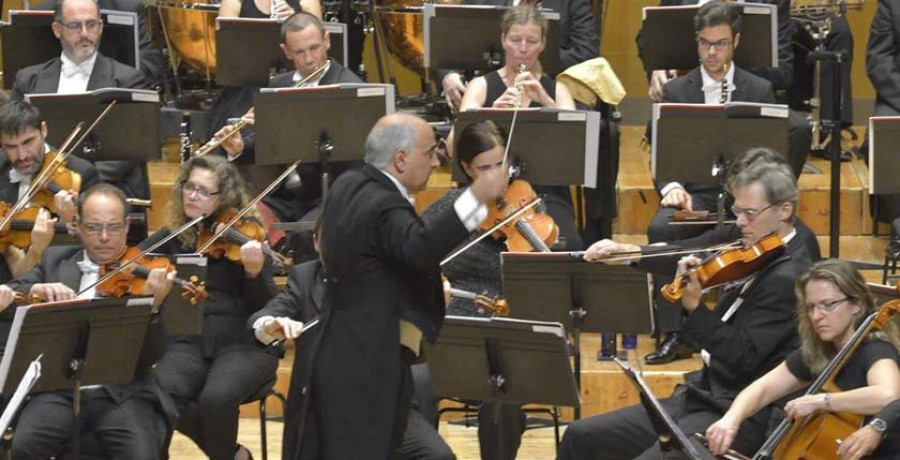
(832, 301)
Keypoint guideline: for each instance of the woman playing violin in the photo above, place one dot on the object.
(832, 301)
(224, 366)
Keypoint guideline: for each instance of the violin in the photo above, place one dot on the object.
(729, 265)
(229, 246)
(18, 232)
(531, 231)
(495, 305)
(62, 179)
(131, 280)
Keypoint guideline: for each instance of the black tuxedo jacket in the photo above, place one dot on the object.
(883, 53)
(748, 88)
(382, 266)
(303, 298)
(782, 76)
(9, 192)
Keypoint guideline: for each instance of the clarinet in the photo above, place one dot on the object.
(723, 98)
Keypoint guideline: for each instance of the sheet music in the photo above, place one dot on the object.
(25, 385)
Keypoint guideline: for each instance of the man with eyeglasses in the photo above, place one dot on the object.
(750, 331)
(128, 420)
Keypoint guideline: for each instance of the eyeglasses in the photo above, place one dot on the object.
(720, 45)
(825, 307)
(97, 229)
(90, 25)
(750, 214)
(187, 188)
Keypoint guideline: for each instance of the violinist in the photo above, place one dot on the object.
(832, 302)
(750, 331)
(129, 420)
(216, 371)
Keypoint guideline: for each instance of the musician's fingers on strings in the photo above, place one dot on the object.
(686, 263)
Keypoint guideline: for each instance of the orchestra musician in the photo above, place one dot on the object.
(263, 8)
(750, 331)
(524, 36)
(130, 420)
(383, 294)
(208, 376)
(300, 302)
(81, 67)
(832, 301)
(22, 137)
(579, 39)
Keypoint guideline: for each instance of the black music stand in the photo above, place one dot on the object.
(671, 437)
(321, 124)
(500, 359)
(130, 131)
(180, 316)
(29, 40)
(584, 297)
(557, 147)
(247, 51)
(669, 40)
(479, 48)
(82, 342)
(884, 136)
(688, 139)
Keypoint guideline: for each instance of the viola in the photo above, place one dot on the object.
(229, 245)
(62, 179)
(18, 232)
(531, 231)
(729, 265)
(131, 280)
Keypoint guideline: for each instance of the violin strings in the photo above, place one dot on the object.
(486, 233)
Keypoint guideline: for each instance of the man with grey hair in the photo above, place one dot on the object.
(383, 295)
(751, 330)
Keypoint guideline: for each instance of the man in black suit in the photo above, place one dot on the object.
(383, 295)
(129, 419)
(81, 68)
(283, 317)
(751, 330)
(579, 39)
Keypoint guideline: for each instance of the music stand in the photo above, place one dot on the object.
(669, 40)
(29, 40)
(82, 342)
(247, 51)
(671, 436)
(321, 124)
(557, 147)
(479, 48)
(884, 135)
(688, 138)
(134, 136)
(561, 287)
(501, 359)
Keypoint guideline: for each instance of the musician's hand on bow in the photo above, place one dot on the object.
(159, 283)
(64, 201)
(677, 198)
(860, 444)
(490, 184)
(283, 11)
(51, 292)
(42, 232)
(805, 405)
(721, 434)
(605, 249)
(658, 79)
(7, 296)
(253, 258)
(693, 291)
(454, 88)
(283, 327)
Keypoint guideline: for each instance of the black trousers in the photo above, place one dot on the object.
(135, 429)
(218, 386)
(500, 429)
(422, 442)
(629, 434)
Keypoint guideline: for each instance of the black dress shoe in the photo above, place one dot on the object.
(671, 349)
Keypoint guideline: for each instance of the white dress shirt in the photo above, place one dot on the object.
(73, 78)
(90, 273)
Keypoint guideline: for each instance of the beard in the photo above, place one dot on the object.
(79, 53)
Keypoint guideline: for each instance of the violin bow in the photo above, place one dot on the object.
(311, 324)
(132, 260)
(224, 228)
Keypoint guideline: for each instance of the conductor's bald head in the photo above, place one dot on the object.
(404, 146)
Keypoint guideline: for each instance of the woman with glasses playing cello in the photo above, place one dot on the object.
(832, 302)
(210, 375)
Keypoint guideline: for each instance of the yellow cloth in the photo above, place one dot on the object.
(410, 336)
(591, 80)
